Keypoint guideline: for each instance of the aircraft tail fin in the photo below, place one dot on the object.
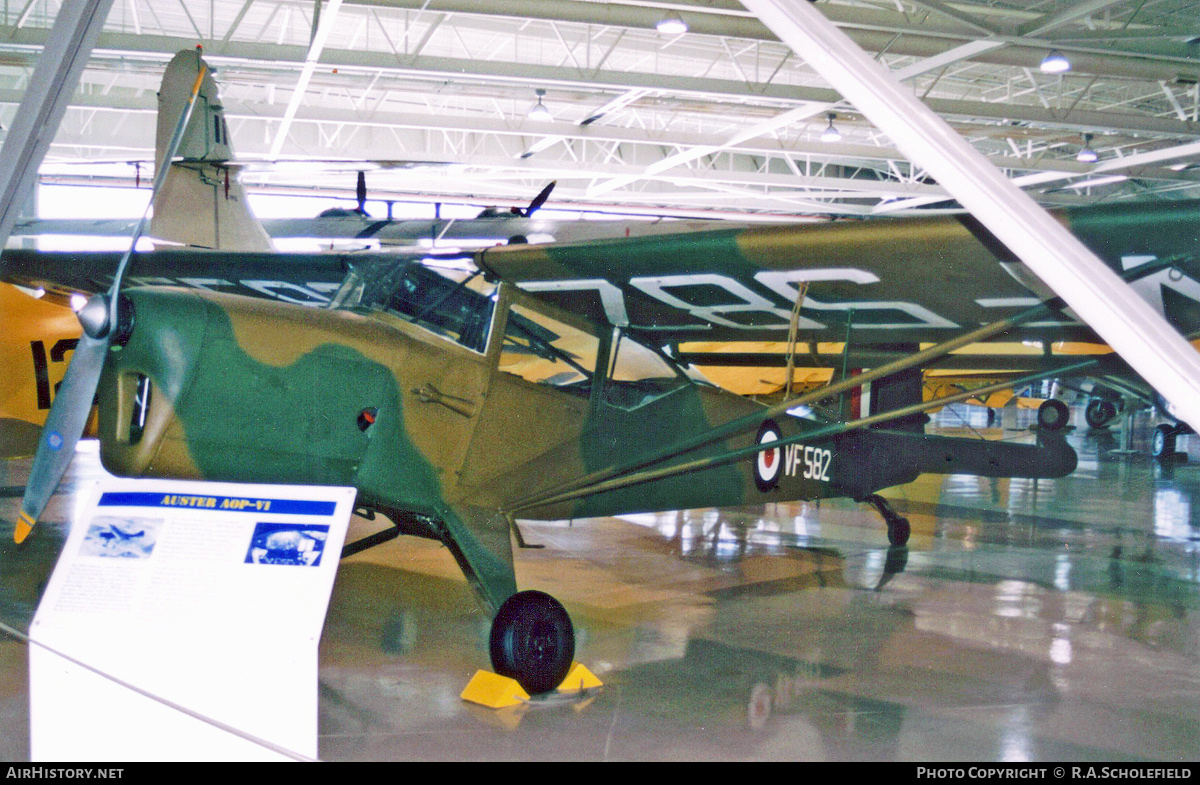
(202, 202)
(898, 390)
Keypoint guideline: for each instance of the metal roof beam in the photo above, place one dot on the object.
(251, 55)
(873, 29)
(1066, 16)
(322, 25)
(787, 118)
(959, 16)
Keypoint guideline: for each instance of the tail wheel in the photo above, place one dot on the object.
(1053, 415)
(898, 530)
(533, 641)
(758, 706)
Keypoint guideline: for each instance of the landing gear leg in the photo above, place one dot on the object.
(897, 525)
(533, 641)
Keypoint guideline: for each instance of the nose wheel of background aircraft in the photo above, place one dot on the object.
(1162, 446)
(533, 641)
(1099, 412)
(897, 525)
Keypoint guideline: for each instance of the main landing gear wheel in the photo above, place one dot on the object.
(1099, 412)
(1164, 441)
(1053, 415)
(533, 641)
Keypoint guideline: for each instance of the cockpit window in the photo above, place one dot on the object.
(450, 302)
(638, 375)
(541, 349)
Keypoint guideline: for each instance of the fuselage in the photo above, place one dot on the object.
(422, 416)
(222, 387)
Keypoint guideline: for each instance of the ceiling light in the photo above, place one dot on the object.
(671, 24)
(1106, 180)
(831, 134)
(1086, 154)
(539, 111)
(1055, 63)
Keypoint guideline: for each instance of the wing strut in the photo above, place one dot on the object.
(752, 421)
(793, 329)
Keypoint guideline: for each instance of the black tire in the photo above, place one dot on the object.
(532, 641)
(1099, 412)
(1053, 415)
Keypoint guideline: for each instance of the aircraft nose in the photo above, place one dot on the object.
(145, 376)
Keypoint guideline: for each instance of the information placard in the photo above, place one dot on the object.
(182, 623)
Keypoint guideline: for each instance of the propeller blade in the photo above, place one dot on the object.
(100, 318)
(540, 199)
(64, 426)
(360, 192)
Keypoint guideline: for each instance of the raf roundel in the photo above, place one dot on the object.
(768, 462)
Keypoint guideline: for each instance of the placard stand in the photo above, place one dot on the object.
(182, 623)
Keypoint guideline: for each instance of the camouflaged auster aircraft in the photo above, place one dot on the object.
(458, 402)
(546, 383)
(454, 406)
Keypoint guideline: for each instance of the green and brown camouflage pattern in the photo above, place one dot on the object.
(249, 390)
(258, 390)
(894, 280)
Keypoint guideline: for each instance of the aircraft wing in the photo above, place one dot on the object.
(349, 225)
(101, 227)
(887, 281)
(346, 225)
(352, 226)
(306, 279)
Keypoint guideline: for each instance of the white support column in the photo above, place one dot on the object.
(1126, 322)
(50, 90)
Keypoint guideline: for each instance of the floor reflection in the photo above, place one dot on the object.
(1046, 620)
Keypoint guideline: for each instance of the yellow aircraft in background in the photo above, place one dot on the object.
(39, 336)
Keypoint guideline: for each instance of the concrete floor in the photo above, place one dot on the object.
(1025, 621)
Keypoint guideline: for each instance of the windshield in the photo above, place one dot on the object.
(450, 302)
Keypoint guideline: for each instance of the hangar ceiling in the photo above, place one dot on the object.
(722, 120)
